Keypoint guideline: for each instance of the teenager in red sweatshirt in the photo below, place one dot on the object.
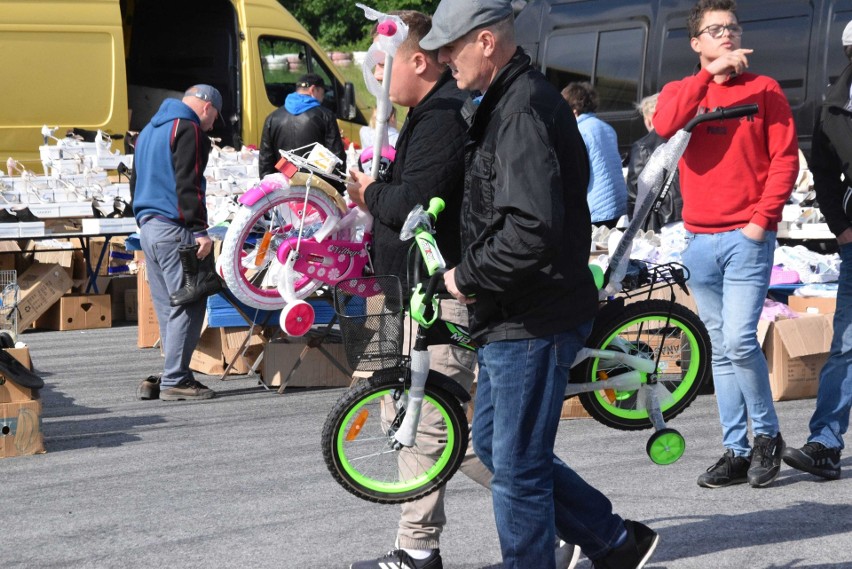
(735, 177)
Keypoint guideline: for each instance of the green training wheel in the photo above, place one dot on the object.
(665, 446)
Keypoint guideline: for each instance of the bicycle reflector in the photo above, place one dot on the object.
(357, 425)
(287, 168)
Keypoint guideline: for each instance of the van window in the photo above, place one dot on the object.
(611, 60)
(283, 61)
(783, 53)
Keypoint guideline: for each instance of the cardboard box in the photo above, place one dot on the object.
(22, 355)
(52, 251)
(131, 305)
(219, 347)
(149, 329)
(41, 286)
(796, 350)
(812, 304)
(20, 414)
(78, 312)
(232, 342)
(207, 357)
(315, 370)
(7, 261)
(117, 260)
(117, 289)
(573, 409)
(20, 429)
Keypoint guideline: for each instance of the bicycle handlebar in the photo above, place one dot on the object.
(721, 114)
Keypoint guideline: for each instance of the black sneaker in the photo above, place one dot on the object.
(149, 388)
(728, 471)
(188, 389)
(765, 460)
(815, 458)
(633, 553)
(566, 554)
(399, 559)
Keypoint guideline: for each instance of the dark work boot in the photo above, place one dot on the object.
(199, 277)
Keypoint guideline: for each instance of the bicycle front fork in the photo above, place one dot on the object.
(407, 431)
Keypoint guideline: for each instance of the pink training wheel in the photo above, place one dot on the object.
(297, 318)
(386, 28)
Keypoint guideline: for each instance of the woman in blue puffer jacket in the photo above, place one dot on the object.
(607, 192)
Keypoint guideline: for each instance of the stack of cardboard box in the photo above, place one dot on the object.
(20, 414)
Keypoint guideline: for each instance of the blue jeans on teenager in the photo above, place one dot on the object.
(519, 396)
(180, 326)
(834, 398)
(729, 278)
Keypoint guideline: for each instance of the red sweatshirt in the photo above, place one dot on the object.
(734, 171)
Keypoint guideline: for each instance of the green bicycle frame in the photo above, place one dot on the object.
(424, 305)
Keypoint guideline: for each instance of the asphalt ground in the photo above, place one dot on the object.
(239, 481)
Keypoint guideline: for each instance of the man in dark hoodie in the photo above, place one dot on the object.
(831, 156)
(429, 162)
(168, 190)
(300, 122)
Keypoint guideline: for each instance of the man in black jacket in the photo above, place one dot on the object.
(300, 122)
(640, 152)
(429, 163)
(526, 235)
(831, 157)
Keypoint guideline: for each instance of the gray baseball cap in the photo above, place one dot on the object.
(455, 18)
(206, 93)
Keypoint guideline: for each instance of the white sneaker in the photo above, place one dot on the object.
(567, 555)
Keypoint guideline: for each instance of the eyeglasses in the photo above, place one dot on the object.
(716, 31)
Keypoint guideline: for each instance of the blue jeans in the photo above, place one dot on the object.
(180, 326)
(729, 278)
(519, 398)
(834, 398)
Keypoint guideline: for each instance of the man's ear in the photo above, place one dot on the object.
(695, 44)
(420, 63)
(487, 41)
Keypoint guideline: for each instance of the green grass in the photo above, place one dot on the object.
(355, 75)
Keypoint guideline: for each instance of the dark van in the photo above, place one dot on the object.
(629, 49)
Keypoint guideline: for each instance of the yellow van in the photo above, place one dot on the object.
(108, 64)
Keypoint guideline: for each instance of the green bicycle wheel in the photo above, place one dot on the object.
(665, 446)
(358, 441)
(657, 330)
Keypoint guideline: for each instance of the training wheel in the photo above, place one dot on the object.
(297, 318)
(665, 446)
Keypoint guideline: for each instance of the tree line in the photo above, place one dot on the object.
(340, 24)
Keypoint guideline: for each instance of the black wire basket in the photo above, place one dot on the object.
(370, 311)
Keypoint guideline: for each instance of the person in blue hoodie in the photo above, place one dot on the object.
(300, 122)
(168, 191)
(607, 191)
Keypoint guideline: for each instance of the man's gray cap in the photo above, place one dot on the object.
(206, 93)
(455, 18)
(847, 34)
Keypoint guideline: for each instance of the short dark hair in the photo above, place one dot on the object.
(702, 7)
(419, 24)
(581, 97)
(310, 80)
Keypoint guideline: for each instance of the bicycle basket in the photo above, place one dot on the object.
(370, 312)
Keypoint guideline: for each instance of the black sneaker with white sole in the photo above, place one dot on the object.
(765, 460)
(399, 559)
(727, 471)
(633, 553)
(815, 458)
